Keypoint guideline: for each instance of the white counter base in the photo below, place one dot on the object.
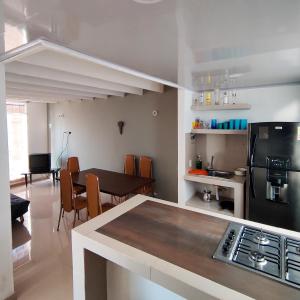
(93, 276)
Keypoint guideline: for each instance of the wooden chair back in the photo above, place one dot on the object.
(73, 164)
(93, 196)
(66, 190)
(129, 165)
(145, 167)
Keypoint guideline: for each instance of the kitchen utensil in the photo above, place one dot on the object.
(206, 195)
(198, 172)
(244, 124)
(240, 172)
(213, 124)
(237, 124)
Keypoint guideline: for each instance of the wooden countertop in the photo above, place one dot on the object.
(188, 239)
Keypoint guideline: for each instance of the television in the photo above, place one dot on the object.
(39, 162)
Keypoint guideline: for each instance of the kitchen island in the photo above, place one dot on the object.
(158, 245)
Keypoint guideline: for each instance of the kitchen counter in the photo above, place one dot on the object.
(237, 183)
(170, 246)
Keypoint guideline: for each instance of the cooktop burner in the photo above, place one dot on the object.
(261, 238)
(267, 253)
(257, 257)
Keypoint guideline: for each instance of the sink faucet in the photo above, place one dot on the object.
(211, 165)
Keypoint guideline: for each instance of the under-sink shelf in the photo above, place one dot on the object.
(213, 205)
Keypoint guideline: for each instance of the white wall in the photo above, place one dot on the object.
(6, 268)
(269, 104)
(96, 140)
(37, 128)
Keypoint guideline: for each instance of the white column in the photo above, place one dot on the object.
(78, 267)
(6, 268)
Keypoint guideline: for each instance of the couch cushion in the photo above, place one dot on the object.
(19, 206)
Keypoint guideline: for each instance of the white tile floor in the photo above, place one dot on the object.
(41, 255)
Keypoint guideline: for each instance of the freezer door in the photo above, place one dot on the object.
(283, 211)
(280, 139)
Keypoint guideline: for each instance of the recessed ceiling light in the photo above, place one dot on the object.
(147, 1)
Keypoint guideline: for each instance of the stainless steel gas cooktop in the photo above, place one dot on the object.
(266, 253)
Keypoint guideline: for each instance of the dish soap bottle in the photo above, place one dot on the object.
(198, 162)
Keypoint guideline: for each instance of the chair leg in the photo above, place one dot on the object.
(78, 214)
(60, 213)
(63, 213)
(75, 211)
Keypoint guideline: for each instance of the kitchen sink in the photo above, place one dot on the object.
(223, 174)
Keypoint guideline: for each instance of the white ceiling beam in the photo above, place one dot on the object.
(51, 74)
(36, 88)
(47, 99)
(21, 92)
(29, 99)
(20, 79)
(66, 62)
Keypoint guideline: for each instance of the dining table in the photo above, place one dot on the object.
(114, 183)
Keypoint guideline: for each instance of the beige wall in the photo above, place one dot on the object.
(96, 140)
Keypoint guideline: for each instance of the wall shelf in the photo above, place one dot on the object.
(237, 106)
(219, 131)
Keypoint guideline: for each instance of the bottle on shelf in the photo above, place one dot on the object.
(217, 96)
(201, 98)
(225, 97)
(208, 98)
(198, 162)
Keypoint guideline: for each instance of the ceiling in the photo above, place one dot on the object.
(199, 44)
(45, 72)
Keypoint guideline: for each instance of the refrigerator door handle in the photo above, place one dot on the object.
(252, 182)
(252, 150)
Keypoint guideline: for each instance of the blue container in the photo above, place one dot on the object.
(231, 124)
(220, 125)
(237, 124)
(226, 125)
(213, 124)
(244, 124)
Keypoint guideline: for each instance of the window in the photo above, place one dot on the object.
(17, 140)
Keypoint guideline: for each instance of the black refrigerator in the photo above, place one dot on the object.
(273, 178)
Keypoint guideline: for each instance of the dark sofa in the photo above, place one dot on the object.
(19, 207)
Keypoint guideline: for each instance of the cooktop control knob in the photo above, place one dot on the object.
(231, 236)
(225, 249)
(227, 242)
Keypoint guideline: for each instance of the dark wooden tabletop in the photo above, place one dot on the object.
(113, 183)
(189, 240)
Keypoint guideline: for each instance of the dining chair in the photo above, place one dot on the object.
(68, 200)
(146, 171)
(94, 205)
(73, 164)
(73, 167)
(129, 165)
